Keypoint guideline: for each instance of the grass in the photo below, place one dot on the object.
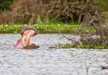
(87, 46)
(54, 28)
(46, 28)
(10, 28)
(57, 28)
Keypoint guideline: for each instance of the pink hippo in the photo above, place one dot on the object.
(26, 38)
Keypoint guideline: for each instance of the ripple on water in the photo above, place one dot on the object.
(46, 61)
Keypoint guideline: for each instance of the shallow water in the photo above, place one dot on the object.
(47, 61)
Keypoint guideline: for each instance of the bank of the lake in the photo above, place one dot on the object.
(46, 28)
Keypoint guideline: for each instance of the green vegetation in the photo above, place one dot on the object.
(10, 28)
(5, 4)
(57, 27)
(46, 28)
(88, 46)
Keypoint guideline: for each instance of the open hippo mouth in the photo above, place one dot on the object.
(25, 42)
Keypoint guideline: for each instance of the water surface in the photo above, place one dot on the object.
(47, 61)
